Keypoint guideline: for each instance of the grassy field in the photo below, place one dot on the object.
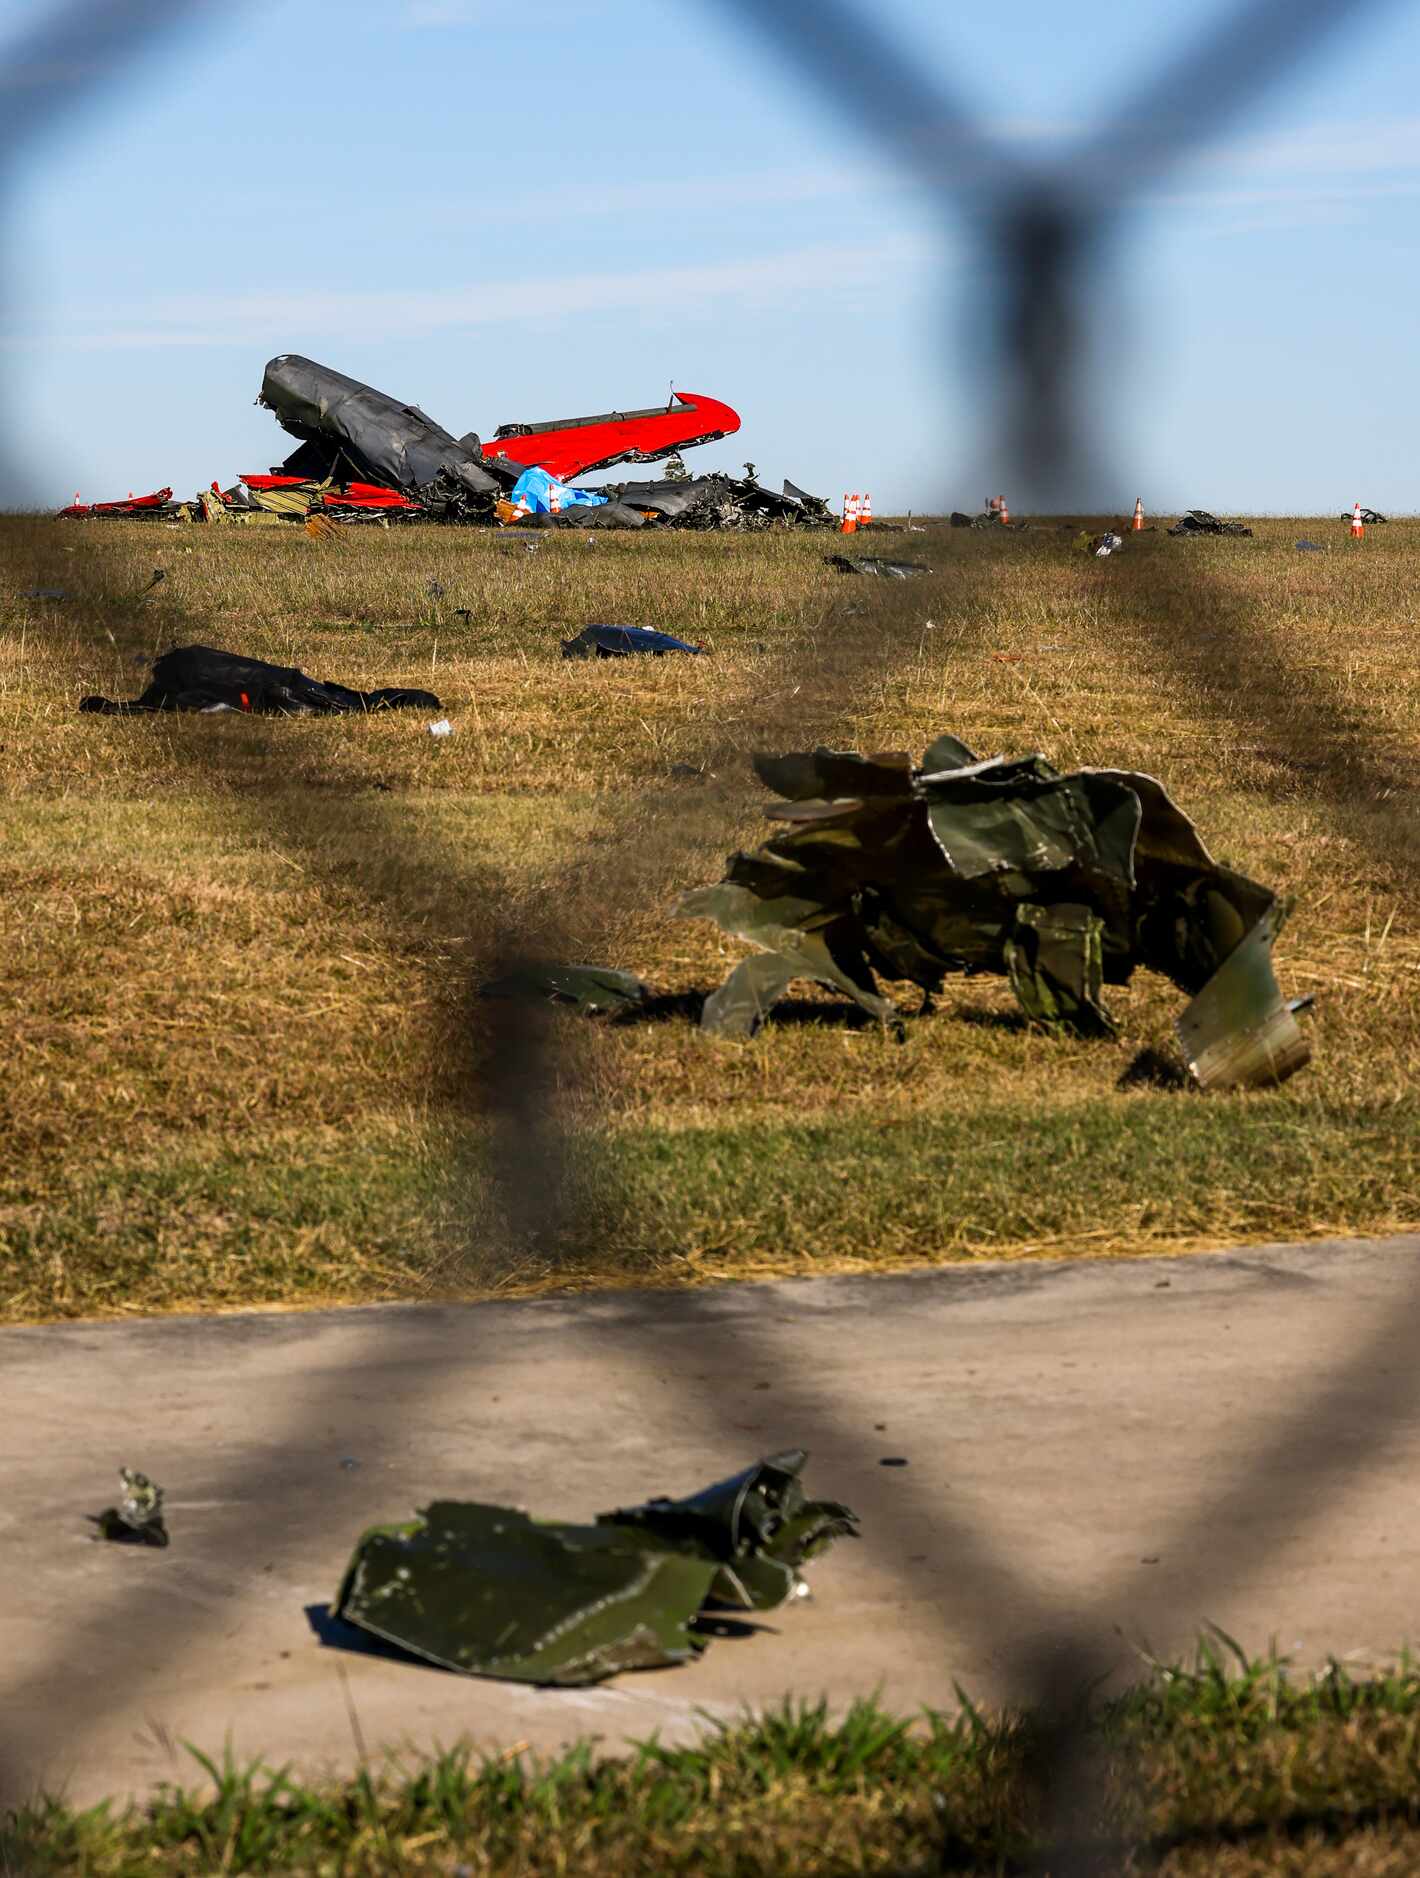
(1227, 1769)
(242, 1066)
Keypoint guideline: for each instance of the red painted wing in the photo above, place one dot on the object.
(573, 446)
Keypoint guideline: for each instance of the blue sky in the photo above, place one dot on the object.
(515, 212)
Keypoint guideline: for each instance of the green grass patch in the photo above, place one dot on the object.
(1227, 1765)
(403, 1207)
(237, 949)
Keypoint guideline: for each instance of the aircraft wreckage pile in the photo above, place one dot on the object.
(364, 456)
(1060, 883)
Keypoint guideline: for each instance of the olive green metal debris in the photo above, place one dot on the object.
(1062, 883)
(489, 1591)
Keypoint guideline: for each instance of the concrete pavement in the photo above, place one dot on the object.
(1146, 1444)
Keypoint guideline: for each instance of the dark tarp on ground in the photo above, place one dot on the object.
(381, 440)
(201, 678)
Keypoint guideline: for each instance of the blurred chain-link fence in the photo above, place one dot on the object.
(1042, 234)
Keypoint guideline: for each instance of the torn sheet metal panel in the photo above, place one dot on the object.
(1239, 1032)
(1060, 883)
(491, 1592)
(718, 501)
(575, 446)
(353, 431)
(159, 504)
(759, 1527)
(488, 1591)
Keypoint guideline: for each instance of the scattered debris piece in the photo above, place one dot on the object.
(592, 988)
(994, 514)
(488, 1591)
(1061, 883)
(603, 515)
(619, 642)
(202, 678)
(1367, 515)
(1311, 547)
(1200, 522)
(45, 593)
(716, 501)
(1102, 546)
(159, 504)
(442, 729)
(138, 1517)
(875, 564)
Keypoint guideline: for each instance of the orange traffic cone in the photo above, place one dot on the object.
(1138, 512)
(1358, 527)
(850, 515)
(865, 514)
(1003, 514)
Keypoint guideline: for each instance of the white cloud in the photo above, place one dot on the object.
(776, 280)
(1370, 148)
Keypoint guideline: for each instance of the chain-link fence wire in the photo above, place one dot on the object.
(1043, 234)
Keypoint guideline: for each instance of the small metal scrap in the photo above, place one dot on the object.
(875, 564)
(138, 1517)
(591, 988)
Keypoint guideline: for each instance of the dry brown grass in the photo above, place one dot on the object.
(235, 948)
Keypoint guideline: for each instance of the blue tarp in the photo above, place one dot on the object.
(536, 488)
